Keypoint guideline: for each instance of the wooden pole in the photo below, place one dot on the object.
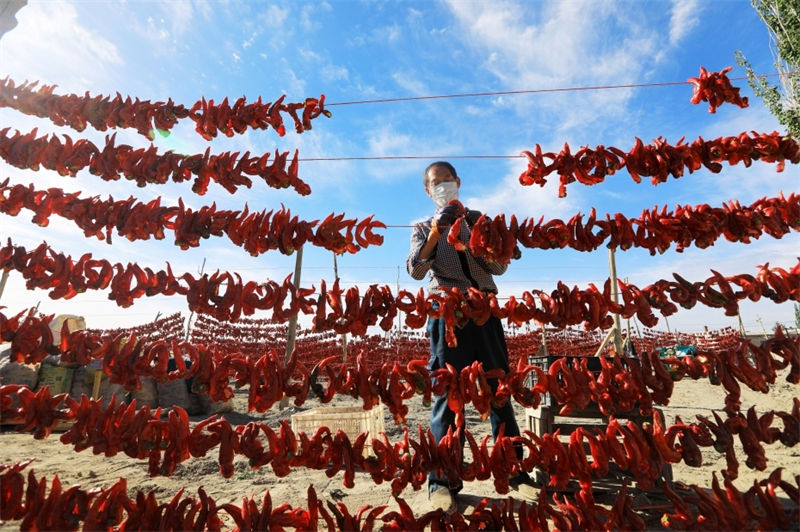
(191, 314)
(397, 334)
(612, 266)
(292, 333)
(3, 280)
(544, 340)
(604, 342)
(760, 322)
(344, 335)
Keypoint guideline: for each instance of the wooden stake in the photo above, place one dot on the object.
(292, 334)
(612, 266)
(3, 280)
(544, 339)
(604, 342)
(191, 314)
(344, 335)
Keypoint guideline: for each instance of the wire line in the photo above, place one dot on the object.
(535, 91)
(390, 157)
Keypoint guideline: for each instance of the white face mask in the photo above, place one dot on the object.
(444, 193)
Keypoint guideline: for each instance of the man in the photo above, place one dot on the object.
(432, 255)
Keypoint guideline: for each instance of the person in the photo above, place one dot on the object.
(432, 255)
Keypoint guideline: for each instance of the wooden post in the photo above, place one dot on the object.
(544, 340)
(399, 318)
(3, 280)
(191, 314)
(344, 335)
(760, 322)
(292, 333)
(604, 342)
(612, 266)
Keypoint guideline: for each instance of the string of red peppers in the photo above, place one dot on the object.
(166, 328)
(146, 166)
(655, 230)
(256, 232)
(249, 337)
(226, 297)
(658, 161)
(716, 89)
(102, 112)
(37, 505)
(621, 384)
(641, 450)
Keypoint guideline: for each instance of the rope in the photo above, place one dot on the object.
(536, 91)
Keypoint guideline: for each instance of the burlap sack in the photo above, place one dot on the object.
(209, 406)
(107, 390)
(174, 393)
(17, 373)
(57, 378)
(147, 394)
(75, 323)
(80, 386)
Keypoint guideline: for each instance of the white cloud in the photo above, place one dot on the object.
(274, 16)
(684, 16)
(205, 8)
(410, 83)
(385, 141)
(331, 73)
(179, 15)
(249, 42)
(387, 33)
(524, 201)
(517, 41)
(308, 54)
(50, 44)
(309, 15)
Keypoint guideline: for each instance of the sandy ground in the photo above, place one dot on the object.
(89, 470)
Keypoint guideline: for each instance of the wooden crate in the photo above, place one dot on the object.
(352, 420)
(545, 419)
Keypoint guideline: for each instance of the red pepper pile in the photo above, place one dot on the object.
(147, 117)
(256, 232)
(659, 160)
(146, 166)
(716, 89)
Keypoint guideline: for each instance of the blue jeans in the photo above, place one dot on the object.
(485, 343)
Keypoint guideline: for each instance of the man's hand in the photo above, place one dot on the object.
(447, 215)
(471, 217)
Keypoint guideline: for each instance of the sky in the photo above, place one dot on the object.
(368, 50)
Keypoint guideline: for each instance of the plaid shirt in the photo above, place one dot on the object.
(444, 264)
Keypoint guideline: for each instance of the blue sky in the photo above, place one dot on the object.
(368, 50)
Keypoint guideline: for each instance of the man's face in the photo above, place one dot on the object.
(440, 174)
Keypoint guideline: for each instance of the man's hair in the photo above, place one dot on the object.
(437, 163)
